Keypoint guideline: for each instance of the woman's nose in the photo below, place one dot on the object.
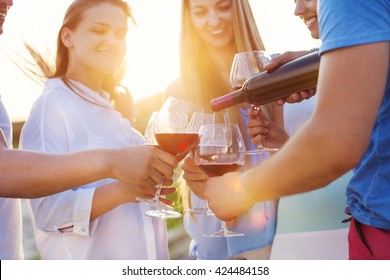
(299, 8)
(214, 18)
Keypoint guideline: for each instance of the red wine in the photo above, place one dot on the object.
(218, 169)
(264, 87)
(177, 144)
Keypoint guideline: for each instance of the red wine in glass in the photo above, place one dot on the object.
(176, 133)
(219, 169)
(177, 144)
(221, 150)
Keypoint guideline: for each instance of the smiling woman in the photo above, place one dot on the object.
(153, 44)
(74, 113)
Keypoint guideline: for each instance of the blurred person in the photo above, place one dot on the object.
(347, 130)
(99, 220)
(10, 209)
(212, 32)
(27, 174)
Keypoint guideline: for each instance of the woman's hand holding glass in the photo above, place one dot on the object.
(176, 132)
(196, 181)
(150, 166)
(157, 201)
(264, 131)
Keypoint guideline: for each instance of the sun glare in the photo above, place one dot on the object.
(153, 48)
(153, 44)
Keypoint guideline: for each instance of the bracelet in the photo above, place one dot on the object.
(314, 49)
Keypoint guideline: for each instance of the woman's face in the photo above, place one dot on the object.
(98, 43)
(4, 6)
(213, 21)
(307, 11)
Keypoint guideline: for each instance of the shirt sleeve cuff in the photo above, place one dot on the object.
(82, 212)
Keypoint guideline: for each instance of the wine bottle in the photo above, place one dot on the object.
(265, 87)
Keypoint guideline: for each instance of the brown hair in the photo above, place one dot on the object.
(73, 16)
(56, 68)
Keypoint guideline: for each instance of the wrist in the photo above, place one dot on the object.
(121, 193)
(107, 163)
(249, 195)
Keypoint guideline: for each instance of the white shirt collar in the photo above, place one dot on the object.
(92, 96)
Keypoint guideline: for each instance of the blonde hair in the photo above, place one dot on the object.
(200, 81)
(196, 66)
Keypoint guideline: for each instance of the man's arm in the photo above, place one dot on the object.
(350, 90)
(28, 174)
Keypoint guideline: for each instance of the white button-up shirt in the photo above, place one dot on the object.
(64, 121)
(10, 209)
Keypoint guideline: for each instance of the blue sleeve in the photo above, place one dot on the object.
(353, 22)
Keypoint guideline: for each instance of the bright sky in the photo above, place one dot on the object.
(153, 45)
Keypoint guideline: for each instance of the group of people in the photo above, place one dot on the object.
(82, 164)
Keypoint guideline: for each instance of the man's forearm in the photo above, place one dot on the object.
(313, 167)
(28, 174)
(338, 133)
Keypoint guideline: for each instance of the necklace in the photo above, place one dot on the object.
(71, 87)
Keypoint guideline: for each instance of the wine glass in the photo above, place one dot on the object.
(221, 149)
(149, 139)
(203, 119)
(245, 65)
(176, 132)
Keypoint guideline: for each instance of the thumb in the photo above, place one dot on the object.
(272, 65)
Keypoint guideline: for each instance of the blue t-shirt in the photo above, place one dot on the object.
(353, 22)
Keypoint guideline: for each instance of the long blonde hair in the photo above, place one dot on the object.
(200, 81)
(197, 69)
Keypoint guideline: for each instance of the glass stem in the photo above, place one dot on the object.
(223, 226)
(206, 205)
(157, 195)
(259, 116)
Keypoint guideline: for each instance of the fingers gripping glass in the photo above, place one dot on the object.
(260, 148)
(176, 133)
(155, 202)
